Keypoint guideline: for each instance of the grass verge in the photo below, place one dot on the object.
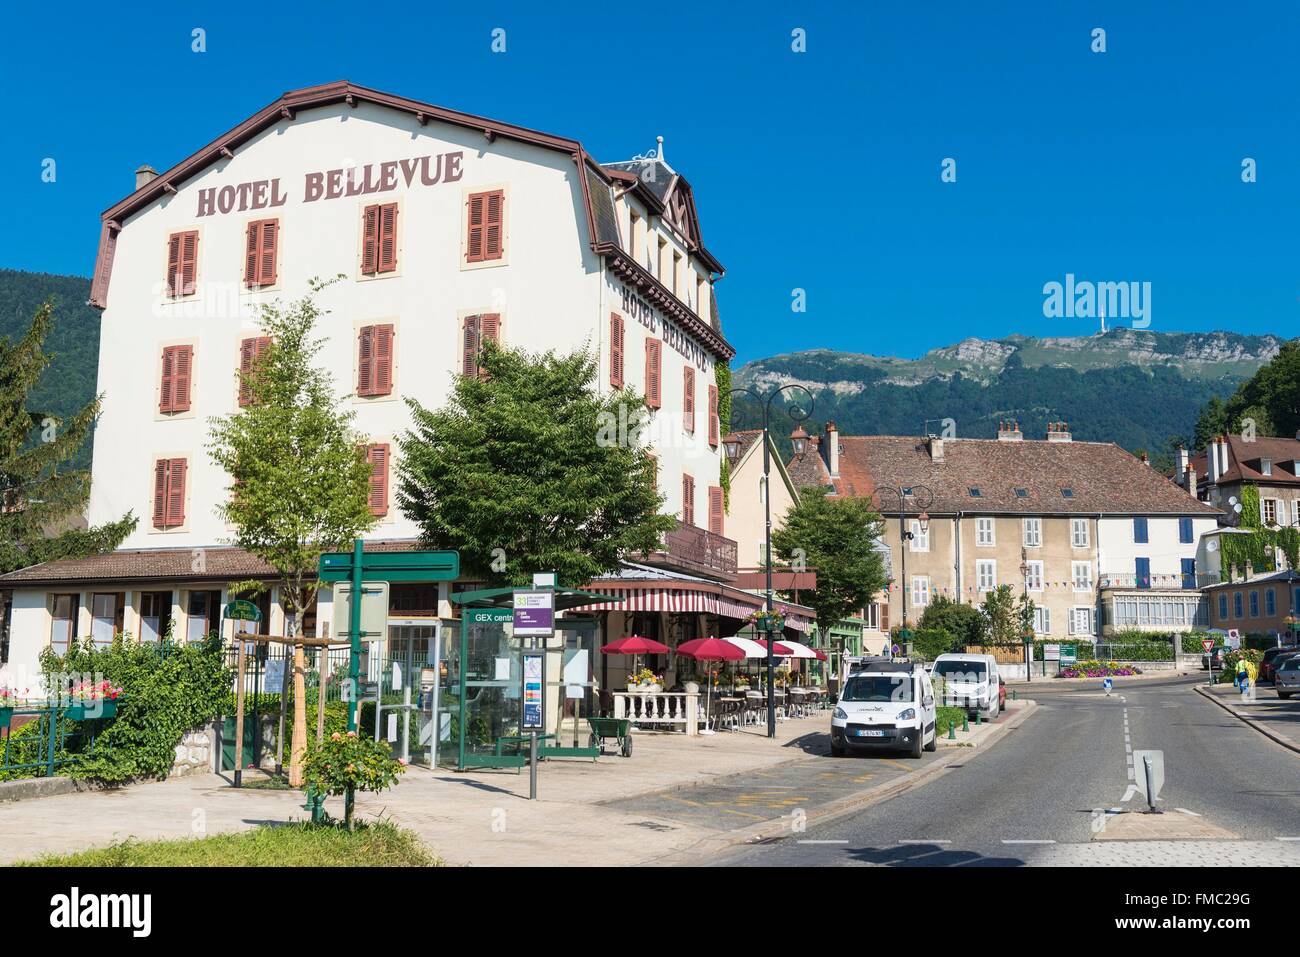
(380, 844)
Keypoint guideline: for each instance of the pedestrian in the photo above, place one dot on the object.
(1243, 678)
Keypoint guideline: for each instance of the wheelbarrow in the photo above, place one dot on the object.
(617, 729)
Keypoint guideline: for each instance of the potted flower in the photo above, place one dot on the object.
(645, 681)
(89, 700)
(9, 699)
(769, 621)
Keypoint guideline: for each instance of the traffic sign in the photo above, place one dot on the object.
(1207, 644)
(442, 566)
(374, 609)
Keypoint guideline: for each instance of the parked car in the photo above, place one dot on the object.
(889, 705)
(1272, 659)
(1287, 681)
(972, 682)
(1213, 660)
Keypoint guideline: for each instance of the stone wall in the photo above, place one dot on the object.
(197, 751)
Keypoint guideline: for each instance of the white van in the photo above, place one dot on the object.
(887, 705)
(970, 682)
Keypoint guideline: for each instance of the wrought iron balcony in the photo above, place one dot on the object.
(697, 550)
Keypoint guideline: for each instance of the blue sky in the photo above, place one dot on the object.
(816, 170)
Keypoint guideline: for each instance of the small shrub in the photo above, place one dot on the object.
(346, 760)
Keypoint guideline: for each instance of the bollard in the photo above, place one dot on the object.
(979, 717)
(1014, 694)
(965, 724)
(952, 731)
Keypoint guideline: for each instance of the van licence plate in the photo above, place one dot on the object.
(869, 733)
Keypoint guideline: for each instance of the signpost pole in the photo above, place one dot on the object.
(354, 656)
(239, 712)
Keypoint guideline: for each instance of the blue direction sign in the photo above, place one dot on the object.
(393, 566)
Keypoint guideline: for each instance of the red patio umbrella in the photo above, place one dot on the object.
(710, 649)
(635, 645)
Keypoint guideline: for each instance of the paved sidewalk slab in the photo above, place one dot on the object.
(1276, 717)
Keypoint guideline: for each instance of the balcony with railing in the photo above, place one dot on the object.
(1126, 580)
(697, 551)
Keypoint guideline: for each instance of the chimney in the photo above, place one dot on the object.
(1058, 432)
(831, 449)
(1009, 431)
(1189, 480)
(1180, 466)
(935, 444)
(1146, 459)
(1218, 458)
(145, 175)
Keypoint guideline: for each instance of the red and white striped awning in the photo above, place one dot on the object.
(684, 600)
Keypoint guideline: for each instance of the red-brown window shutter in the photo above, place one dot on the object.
(260, 252)
(478, 330)
(249, 351)
(713, 416)
(688, 398)
(370, 240)
(616, 350)
(189, 270)
(715, 509)
(485, 230)
(169, 493)
(377, 456)
(688, 499)
(165, 386)
(160, 493)
(387, 238)
(653, 367)
(375, 360)
(366, 361)
(174, 264)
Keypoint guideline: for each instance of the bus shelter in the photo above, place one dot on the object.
(482, 704)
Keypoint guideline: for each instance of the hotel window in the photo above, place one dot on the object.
(182, 263)
(155, 615)
(688, 398)
(250, 351)
(1254, 604)
(261, 242)
(1033, 528)
(169, 493)
(105, 617)
(478, 330)
(63, 625)
(1042, 621)
(1270, 602)
(1223, 607)
(662, 268)
(1079, 532)
(984, 534)
(175, 387)
(986, 574)
(485, 226)
(378, 455)
(688, 500)
(615, 351)
(1081, 621)
(379, 239)
(1140, 533)
(920, 540)
(375, 360)
(1081, 572)
(920, 591)
(653, 373)
(1268, 509)
(1185, 535)
(1034, 576)
(715, 509)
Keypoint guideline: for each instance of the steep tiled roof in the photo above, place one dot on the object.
(1244, 460)
(808, 469)
(1099, 477)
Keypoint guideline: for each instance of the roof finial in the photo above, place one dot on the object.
(660, 150)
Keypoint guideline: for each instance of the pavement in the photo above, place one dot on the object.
(677, 799)
(1272, 716)
(1061, 790)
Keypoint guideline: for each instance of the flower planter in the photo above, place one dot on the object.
(90, 710)
(6, 713)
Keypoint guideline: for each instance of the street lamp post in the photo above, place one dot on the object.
(798, 439)
(923, 498)
(1027, 633)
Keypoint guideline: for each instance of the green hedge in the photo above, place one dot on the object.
(946, 717)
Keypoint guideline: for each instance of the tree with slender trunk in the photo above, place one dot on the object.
(300, 480)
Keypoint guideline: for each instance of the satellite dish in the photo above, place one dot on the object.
(1211, 546)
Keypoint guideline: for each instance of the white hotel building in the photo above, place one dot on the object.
(447, 229)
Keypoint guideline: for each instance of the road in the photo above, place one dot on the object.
(1053, 791)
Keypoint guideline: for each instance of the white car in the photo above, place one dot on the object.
(883, 707)
(970, 682)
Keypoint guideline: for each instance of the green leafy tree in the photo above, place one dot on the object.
(37, 494)
(1270, 399)
(837, 538)
(1009, 616)
(966, 624)
(299, 476)
(527, 468)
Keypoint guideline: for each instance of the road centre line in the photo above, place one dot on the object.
(1005, 841)
(923, 841)
(822, 842)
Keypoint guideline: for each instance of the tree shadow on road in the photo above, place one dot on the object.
(928, 855)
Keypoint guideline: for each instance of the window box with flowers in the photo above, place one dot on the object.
(90, 701)
(764, 620)
(645, 681)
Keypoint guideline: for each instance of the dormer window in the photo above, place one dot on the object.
(1265, 466)
(1022, 493)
